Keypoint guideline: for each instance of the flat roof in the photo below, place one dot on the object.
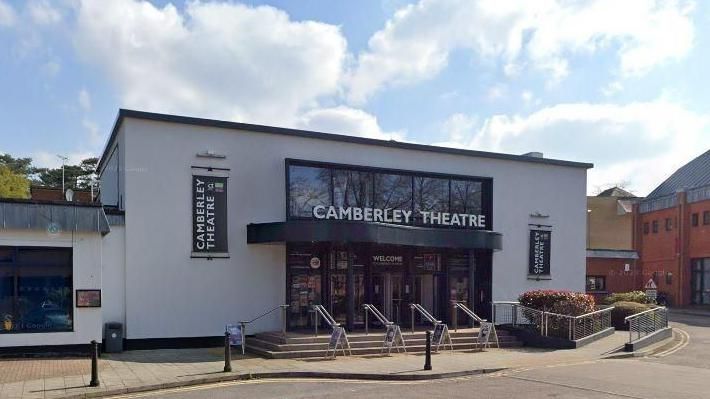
(186, 120)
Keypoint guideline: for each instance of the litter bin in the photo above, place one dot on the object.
(113, 338)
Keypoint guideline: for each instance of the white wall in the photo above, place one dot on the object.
(171, 295)
(86, 255)
(114, 275)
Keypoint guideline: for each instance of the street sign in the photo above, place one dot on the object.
(651, 285)
(393, 336)
(235, 334)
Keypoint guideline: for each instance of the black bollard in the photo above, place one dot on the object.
(227, 353)
(427, 355)
(94, 364)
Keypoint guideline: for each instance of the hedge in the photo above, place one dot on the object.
(633, 296)
(562, 302)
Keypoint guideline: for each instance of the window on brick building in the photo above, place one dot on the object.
(596, 283)
(654, 226)
(645, 228)
(694, 219)
(669, 224)
(706, 217)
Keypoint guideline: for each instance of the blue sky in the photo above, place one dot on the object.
(619, 84)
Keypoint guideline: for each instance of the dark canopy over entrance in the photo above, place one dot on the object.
(380, 233)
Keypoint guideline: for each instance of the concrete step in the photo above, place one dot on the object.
(373, 342)
(253, 347)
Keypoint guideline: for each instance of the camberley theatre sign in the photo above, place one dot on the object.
(398, 216)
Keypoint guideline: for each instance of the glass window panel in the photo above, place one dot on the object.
(6, 254)
(466, 196)
(352, 188)
(393, 191)
(430, 195)
(7, 297)
(308, 187)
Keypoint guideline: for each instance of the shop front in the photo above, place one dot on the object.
(357, 235)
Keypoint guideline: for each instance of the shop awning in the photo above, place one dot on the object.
(380, 233)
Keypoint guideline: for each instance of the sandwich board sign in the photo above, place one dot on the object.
(393, 337)
(338, 337)
(441, 332)
(484, 335)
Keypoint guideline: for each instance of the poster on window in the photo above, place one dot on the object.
(209, 216)
(540, 246)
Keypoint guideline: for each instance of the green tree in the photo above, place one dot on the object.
(75, 176)
(13, 184)
(21, 166)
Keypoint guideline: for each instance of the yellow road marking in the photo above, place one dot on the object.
(684, 341)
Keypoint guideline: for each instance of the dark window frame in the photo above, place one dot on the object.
(706, 218)
(654, 226)
(646, 228)
(694, 218)
(486, 184)
(16, 263)
(597, 279)
(669, 224)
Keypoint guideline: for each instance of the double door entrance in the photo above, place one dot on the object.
(343, 279)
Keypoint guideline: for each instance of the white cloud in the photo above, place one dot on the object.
(639, 142)
(458, 128)
(527, 96)
(612, 88)
(217, 59)
(8, 17)
(43, 13)
(84, 99)
(345, 120)
(46, 159)
(416, 42)
(496, 92)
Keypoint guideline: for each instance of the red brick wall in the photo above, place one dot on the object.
(617, 280)
(699, 237)
(660, 252)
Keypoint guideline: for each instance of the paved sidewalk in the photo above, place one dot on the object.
(145, 370)
(698, 310)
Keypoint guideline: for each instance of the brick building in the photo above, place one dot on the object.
(612, 261)
(672, 234)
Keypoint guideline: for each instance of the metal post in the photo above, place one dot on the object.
(283, 320)
(455, 316)
(227, 353)
(515, 315)
(412, 308)
(244, 336)
(367, 328)
(94, 364)
(316, 316)
(427, 357)
(569, 332)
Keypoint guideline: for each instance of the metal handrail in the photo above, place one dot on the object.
(577, 327)
(244, 323)
(378, 315)
(320, 310)
(647, 322)
(466, 310)
(419, 308)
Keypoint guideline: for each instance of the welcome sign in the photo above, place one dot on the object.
(389, 215)
(209, 215)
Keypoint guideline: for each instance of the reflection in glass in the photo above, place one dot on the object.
(466, 196)
(308, 187)
(352, 188)
(393, 191)
(430, 195)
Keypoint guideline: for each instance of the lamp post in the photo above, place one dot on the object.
(64, 160)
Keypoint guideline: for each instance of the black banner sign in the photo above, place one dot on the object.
(209, 215)
(540, 246)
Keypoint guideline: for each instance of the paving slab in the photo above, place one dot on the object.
(137, 371)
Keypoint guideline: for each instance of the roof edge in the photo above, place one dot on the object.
(159, 117)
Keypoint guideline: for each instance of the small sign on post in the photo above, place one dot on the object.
(236, 335)
(651, 290)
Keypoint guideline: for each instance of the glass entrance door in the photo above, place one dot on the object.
(426, 294)
(700, 281)
(387, 294)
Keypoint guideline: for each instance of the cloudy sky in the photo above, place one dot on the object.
(621, 84)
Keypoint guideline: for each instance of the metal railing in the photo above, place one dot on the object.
(319, 310)
(369, 308)
(457, 305)
(425, 314)
(244, 323)
(550, 324)
(646, 322)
